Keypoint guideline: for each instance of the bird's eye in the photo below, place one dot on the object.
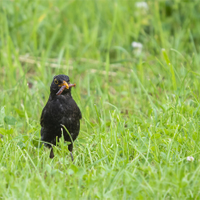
(55, 81)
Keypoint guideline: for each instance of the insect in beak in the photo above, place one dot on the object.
(63, 86)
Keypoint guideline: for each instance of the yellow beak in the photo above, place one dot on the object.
(64, 83)
(63, 86)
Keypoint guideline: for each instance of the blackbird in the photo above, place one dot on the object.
(60, 115)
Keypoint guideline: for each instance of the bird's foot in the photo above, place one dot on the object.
(51, 153)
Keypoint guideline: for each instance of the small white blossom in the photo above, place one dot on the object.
(137, 45)
(137, 48)
(141, 5)
(190, 158)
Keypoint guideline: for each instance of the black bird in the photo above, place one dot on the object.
(60, 111)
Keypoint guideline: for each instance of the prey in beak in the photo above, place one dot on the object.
(63, 86)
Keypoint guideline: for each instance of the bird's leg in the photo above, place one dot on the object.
(51, 153)
(71, 156)
(70, 148)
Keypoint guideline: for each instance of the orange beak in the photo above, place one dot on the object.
(64, 83)
(63, 86)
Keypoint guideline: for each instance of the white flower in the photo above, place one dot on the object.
(190, 158)
(137, 47)
(141, 5)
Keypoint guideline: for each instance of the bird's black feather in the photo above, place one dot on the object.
(60, 110)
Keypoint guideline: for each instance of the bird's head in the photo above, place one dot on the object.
(61, 85)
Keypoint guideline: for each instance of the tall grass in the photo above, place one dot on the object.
(140, 107)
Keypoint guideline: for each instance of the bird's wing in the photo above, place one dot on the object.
(71, 114)
(42, 116)
(46, 115)
(80, 115)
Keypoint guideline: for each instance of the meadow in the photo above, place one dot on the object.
(136, 69)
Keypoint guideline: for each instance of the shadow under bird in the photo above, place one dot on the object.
(60, 111)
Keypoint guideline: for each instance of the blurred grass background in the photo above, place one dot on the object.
(136, 66)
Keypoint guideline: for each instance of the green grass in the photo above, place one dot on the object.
(140, 110)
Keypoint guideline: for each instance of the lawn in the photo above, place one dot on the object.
(137, 75)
